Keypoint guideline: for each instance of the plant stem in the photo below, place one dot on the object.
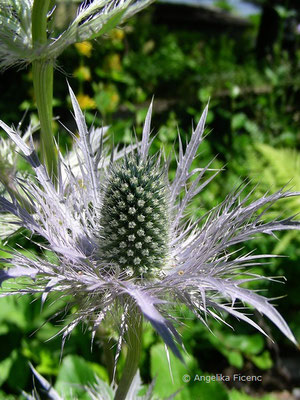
(107, 343)
(40, 10)
(109, 358)
(134, 342)
(42, 70)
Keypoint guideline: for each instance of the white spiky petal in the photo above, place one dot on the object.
(104, 271)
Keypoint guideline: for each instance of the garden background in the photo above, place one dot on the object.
(247, 67)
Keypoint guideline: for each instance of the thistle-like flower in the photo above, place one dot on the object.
(8, 174)
(100, 390)
(93, 19)
(123, 241)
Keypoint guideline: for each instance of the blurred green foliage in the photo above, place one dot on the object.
(253, 126)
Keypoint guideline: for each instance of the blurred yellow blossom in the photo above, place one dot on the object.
(107, 98)
(117, 34)
(85, 101)
(148, 46)
(114, 100)
(83, 73)
(112, 62)
(84, 48)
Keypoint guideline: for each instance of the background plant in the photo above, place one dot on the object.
(250, 104)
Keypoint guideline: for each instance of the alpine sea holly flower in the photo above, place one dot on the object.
(124, 244)
(93, 19)
(27, 37)
(8, 173)
(99, 390)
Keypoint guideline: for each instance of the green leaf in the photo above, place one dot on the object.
(5, 396)
(208, 390)
(48, 363)
(73, 375)
(148, 336)
(263, 361)
(19, 373)
(5, 366)
(251, 127)
(247, 344)
(185, 378)
(238, 121)
(100, 371)
(235, 358)
(204, 94)
(236, 395)
(13, 311)
(160, 371)
(141, 115)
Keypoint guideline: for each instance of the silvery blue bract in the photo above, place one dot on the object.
(93, 19)
(100, 390)
(123, 241)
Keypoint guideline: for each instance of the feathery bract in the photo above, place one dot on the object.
(123, 241)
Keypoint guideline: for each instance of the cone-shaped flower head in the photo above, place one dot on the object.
(134, 218)
(123, 241)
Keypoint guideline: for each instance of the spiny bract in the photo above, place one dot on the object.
(93, 19)
(123, 242)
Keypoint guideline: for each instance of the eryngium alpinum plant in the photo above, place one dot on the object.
(124, 244)
(18, 46)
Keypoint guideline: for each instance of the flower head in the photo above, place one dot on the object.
(15, 32)
(123, 240)
(93, 19)
(134, 217)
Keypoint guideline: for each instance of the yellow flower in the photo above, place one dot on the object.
(114, 100)
(83, 73)
(84, 48)
(85, 101)
(117, 34)
(148, 46)
(112, 62)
